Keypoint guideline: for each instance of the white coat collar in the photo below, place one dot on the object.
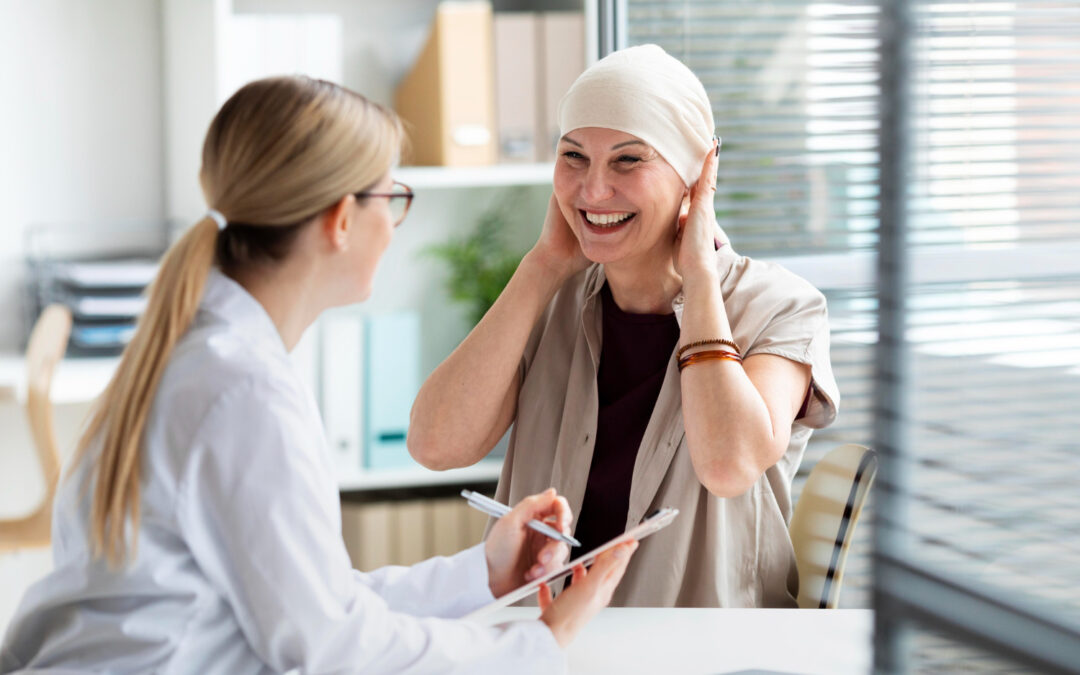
(226, 301)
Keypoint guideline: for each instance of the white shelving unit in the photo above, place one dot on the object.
(501, 175)
(484, 471)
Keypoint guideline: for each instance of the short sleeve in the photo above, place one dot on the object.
(782, 314)
(533, 343)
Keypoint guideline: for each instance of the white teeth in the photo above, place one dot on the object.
(606, 218)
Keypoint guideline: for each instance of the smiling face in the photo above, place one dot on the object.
(620, 197)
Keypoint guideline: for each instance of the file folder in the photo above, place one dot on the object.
(342, 400)
(562, 43)
(392, 346)
(517, 88)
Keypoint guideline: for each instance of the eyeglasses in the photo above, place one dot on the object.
(400, 198)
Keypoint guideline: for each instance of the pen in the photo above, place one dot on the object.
(497, 510)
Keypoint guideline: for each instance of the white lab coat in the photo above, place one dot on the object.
(240, 566)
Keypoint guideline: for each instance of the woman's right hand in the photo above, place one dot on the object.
(557, 249)
(590, 592)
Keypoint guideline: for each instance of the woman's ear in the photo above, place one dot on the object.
(684, 209)
(335, 224)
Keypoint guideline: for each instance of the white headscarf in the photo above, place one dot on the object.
(645, 92)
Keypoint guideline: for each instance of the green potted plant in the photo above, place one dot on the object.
(481, 262)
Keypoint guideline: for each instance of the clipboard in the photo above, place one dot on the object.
(654, 522)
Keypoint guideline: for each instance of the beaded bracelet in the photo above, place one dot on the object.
(699, 343)
(709, 355)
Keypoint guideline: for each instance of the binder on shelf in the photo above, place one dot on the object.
(562, 59)
(448, 532)
(447, 99)
(404, 532)
(392, 347)
(342, 399)
(413, 527)
(517, 88)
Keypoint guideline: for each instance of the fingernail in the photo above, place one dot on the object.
(545, 556)
(621, 552)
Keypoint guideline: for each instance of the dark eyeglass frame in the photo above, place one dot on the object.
(407, 195)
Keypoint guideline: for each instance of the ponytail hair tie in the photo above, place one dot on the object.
(218, 218)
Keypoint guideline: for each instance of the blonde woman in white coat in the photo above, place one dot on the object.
(198, 529)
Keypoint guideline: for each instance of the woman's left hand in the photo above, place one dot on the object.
(517, 554)
(695, 238)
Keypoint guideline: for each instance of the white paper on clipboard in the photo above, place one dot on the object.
(653, 523)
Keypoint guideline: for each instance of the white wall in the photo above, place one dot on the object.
(80, 143)
(188, 48)
(80, 124)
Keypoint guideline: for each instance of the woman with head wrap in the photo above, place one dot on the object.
(642, 362)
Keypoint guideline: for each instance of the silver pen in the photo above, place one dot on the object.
(497, 510)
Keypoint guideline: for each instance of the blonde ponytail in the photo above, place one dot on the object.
(122, 411)
(279, 152)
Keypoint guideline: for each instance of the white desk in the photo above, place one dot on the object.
(77, 380)
(717, 641)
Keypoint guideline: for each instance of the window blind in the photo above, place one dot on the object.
(985, 493)
(794, 93)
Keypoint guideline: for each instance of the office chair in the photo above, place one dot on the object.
(824, 521)
(48, 341)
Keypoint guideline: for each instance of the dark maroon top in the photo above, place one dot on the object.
(633, 362)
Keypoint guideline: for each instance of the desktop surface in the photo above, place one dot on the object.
(719, 641)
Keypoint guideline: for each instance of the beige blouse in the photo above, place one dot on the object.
(719, 552)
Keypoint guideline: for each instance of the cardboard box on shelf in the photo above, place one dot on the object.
(447, 99)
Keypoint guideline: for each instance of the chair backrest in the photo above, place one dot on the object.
(824, 519)
(48, 342)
